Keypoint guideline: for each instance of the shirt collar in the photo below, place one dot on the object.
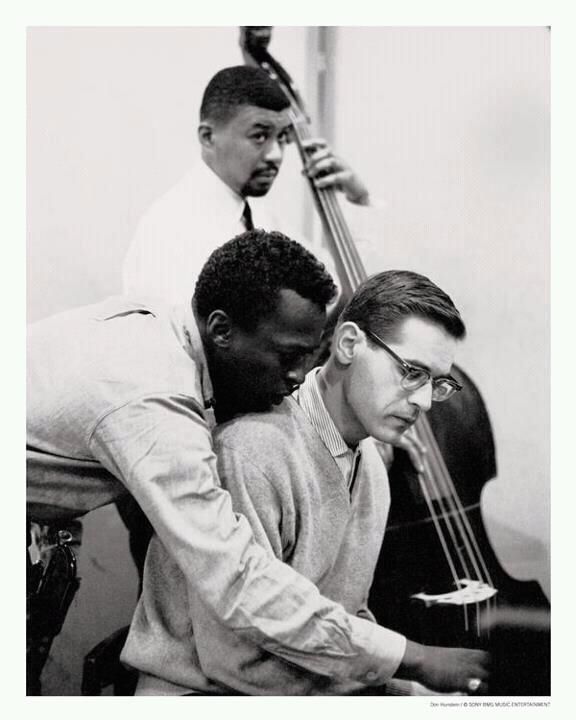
(310, 400)
(217, 193)
(186, 329)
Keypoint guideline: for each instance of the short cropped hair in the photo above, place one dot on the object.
(386, 299)
(240, 85)
(244, 276)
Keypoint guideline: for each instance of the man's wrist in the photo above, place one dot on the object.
(411, 665)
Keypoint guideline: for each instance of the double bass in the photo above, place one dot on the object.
(438, 579)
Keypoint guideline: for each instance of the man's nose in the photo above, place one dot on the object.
(422, 397)
(274, 152)
(296, 375)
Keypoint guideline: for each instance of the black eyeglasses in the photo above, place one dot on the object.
(414, 377)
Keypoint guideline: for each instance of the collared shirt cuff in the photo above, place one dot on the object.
(383, 649)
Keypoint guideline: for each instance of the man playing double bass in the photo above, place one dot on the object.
(243, 132)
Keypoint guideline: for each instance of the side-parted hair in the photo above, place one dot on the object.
(386, 299)
(244, 276)
(240, 85)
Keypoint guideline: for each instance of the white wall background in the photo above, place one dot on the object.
(448, 126)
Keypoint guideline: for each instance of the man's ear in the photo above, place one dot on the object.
(219, 328)
(206, 134)
(347, 339)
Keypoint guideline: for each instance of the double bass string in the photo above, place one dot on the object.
(456, 523)
(437, 480)
(331, 213)
(456, 509)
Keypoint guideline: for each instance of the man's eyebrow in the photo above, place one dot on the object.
(418, 364)
(261, 124)
(264, 125)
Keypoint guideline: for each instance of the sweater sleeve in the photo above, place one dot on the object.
(254, 496)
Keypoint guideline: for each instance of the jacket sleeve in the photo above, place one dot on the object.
(160, 447)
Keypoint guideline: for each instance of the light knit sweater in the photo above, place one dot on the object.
(287, 484)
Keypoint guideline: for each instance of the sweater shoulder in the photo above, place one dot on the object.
(283, 435)
(278, 428)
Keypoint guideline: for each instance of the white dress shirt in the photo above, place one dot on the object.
(180, 230)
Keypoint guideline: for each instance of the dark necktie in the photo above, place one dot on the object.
(247, 217)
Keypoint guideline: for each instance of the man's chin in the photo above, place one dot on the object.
(388, 435)
(256, 192)
(258, 188)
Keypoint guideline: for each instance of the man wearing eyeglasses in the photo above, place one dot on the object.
(311, 482)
